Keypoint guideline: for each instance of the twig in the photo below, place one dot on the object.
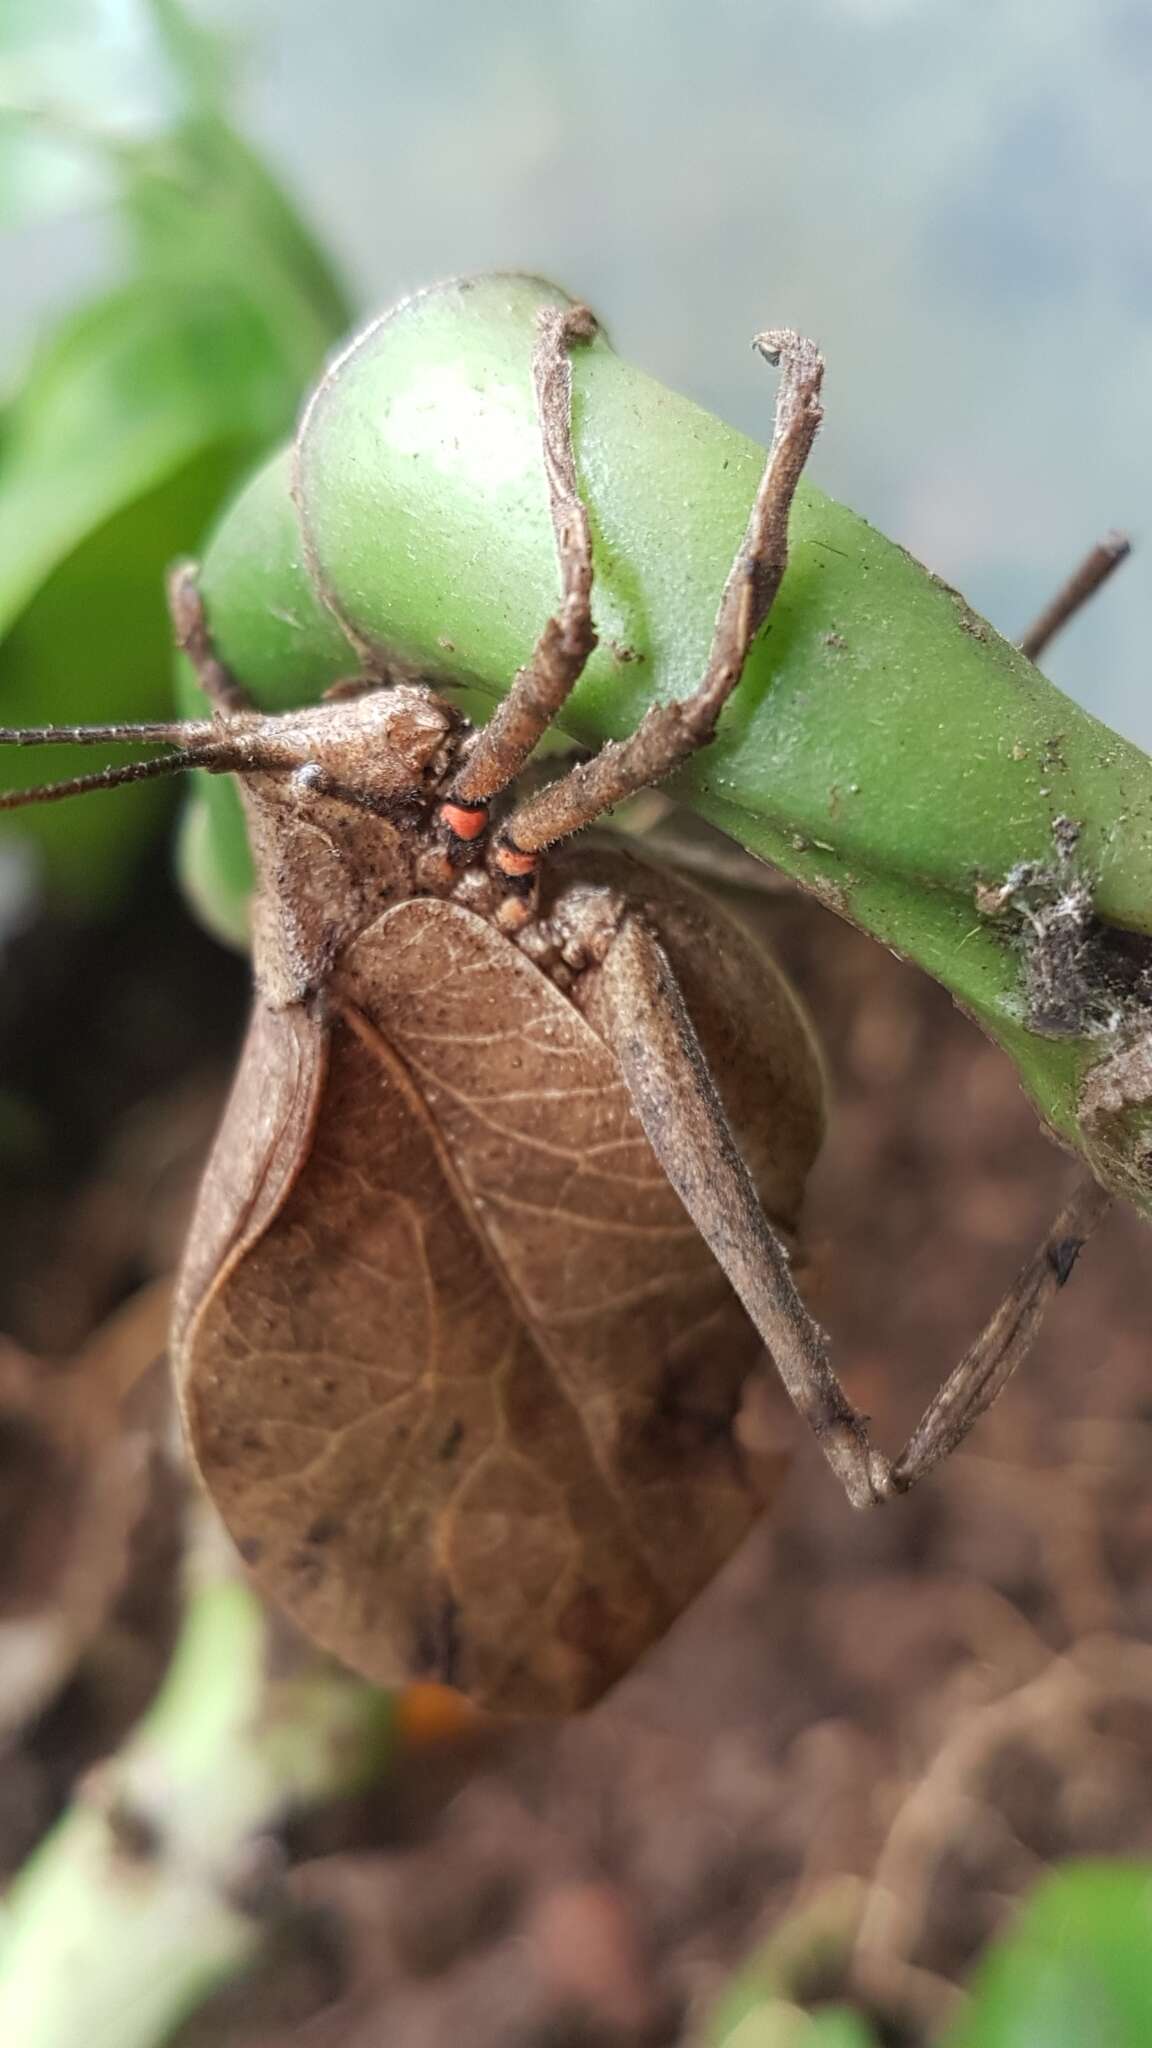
(1052, 1709)
(1084, 582)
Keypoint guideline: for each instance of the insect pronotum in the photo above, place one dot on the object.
(494, 1227)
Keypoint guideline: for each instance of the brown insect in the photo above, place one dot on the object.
(515, 1133)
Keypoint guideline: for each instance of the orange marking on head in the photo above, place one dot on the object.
(467, 821)
(511, 861)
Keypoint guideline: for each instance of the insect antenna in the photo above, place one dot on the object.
(174, 732)
(198, 743)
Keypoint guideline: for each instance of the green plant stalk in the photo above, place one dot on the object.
(766, 2004)
(886, 747)
(128, 1914)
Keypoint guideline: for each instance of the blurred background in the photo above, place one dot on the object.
(810, 1818)
(952, 197)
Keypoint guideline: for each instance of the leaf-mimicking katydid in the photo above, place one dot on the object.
(495, 1226)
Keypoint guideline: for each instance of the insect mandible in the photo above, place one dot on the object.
(496, 1224)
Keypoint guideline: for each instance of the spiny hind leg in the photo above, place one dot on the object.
(648, 1027)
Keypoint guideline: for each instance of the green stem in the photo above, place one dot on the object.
(128, 1913)
(886, 747)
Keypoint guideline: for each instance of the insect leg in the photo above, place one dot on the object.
(1005, 1341)
(670, 732)
(643, 1013)
(567, 640)
(192, 636)
(666, 1074)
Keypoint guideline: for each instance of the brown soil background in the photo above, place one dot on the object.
(880, 1730)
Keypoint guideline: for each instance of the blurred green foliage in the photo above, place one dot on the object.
(1075, 1971)
(245, 1732)
(774, 2023)
(139, 414)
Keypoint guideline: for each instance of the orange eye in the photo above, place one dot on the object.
(512, 862)
(467, 821)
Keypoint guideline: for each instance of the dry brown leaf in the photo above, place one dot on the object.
(460, 1373)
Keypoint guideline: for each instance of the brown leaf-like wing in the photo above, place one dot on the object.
(466, 1401)
(628, 1308)
(264, 1136)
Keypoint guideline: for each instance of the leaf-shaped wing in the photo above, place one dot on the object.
(466, 1401)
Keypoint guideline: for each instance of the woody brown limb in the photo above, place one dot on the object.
(192, 636)
(670, 732)
(560, 653)
(665, 1072)
(1083, 584)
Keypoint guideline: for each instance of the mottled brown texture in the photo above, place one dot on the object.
(464, 1387)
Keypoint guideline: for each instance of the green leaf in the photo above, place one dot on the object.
(71, 659)
(126, 393)
(1075, 1972)
(96, 66)
(143, 409)
(44, 173)
(133, 424)
(203, 210)
(77, 79)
